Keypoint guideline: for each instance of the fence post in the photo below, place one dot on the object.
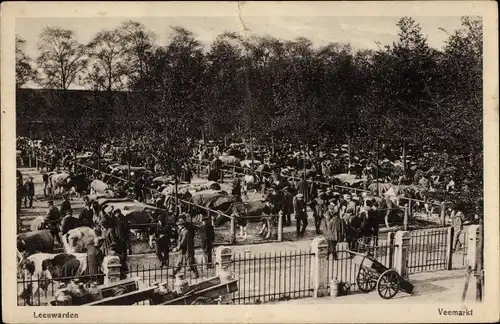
(111, 268)
(280, 226)
(443, 214)
(401, 257)
(223, 258)
(405, 218)
(390, 244)
(449, 247)
(319, 248)
(473, 235)
(232, 229)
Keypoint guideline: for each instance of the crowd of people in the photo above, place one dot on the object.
(340, 218)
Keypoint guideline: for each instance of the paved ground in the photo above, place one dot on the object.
(430, 287)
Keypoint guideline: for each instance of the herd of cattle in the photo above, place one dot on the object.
(116, 185)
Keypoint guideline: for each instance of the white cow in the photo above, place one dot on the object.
(78, 240)
(98, 186)
(59, 181)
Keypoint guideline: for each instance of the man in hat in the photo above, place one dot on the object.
(236, 191)
(349, 208)
(457, 222)
(207, 234)
(86, 216)
(68, 223)
(51, 220)
(122, 234)
(161, 234)
(65, 206)
(333, 228)
(300, 210)
(45, 179)
(303, 189)
(29, 192)
(139, 187)
(287, 206)
(318, 206)
(313, 189)
(185, 246)
(95, 258)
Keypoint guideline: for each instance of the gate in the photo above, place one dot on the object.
(429, 250)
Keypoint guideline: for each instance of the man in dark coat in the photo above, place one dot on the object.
(65, 206)
(95, 258)
(29, 193)
(68, 223)
(313, 190)
(207, 234)
(185, 246)
(236, 191)
(303, 188)
(45, 178)
(86, 217)
(300, 210)
(161, 234)
(318, 206)
(287, 205)
(333, 229)
(51, 220)
(370, 224)
(139, 188)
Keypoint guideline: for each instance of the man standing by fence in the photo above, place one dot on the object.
(457, 222)
(185, 247)
(318, 205)
(162, 235)
(29, 193)
(94, 260)
(207, 240)
(333, 229)
(300, 209)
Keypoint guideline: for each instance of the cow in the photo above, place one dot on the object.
(33, 242)
(78, 240)
(41, 268)
(249, 182)
(229, 160)
(80, 184)
(98, 186)
(37, 223)
(59, 181)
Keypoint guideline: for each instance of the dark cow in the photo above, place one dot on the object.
(34, 242)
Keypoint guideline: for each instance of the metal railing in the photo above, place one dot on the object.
(428, 250)
(42, 297)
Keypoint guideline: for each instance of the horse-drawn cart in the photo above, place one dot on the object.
(374, 275)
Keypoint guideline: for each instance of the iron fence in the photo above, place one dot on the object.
(341, 267)
(428, 250)
(39, 291)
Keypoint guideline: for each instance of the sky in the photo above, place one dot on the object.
(361, 32)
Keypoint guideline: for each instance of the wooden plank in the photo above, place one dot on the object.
(125, 299)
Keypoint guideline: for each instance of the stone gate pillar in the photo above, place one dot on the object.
(319, 275)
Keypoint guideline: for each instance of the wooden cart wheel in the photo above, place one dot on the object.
(365, 280)
(388, 284)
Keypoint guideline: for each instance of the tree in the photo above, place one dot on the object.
(24, 69)
(62, 58)
(109, 69)
(139, 45)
